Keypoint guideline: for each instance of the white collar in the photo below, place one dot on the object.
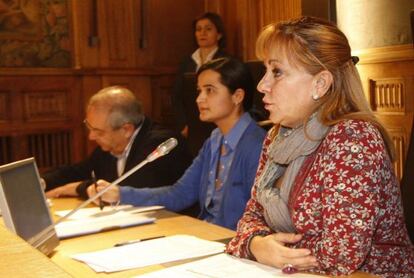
(127, 149)
(197, 57)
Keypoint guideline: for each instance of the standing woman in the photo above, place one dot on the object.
(221, 176)
(325, 197)
(211, 39)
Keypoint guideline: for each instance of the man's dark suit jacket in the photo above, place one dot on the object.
(163, 171)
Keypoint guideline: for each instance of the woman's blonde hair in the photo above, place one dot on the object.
(316, 45)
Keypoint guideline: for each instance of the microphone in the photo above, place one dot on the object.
(163, 149)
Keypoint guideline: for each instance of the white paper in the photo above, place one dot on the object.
(156, 251)
(223, 265)
(90, 225)
(107, 210)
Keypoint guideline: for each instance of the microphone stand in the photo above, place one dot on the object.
(161, 150)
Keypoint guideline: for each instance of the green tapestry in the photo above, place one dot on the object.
(34, 33)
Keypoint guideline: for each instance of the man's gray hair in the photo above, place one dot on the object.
(122, 106)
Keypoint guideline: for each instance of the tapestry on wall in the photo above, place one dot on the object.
(34, 33)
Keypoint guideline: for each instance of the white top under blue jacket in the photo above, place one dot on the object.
(244, 143)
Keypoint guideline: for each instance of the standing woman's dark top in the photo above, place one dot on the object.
(210, 38)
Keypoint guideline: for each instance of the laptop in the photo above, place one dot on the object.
(23, 205)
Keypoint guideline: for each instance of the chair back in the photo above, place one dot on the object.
(407, 187)
(257, 70)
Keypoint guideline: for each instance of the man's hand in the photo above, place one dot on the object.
(67, 190)
(111, 196)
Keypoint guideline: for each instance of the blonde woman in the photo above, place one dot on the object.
(325, 197)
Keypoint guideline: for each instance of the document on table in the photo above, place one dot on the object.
(108, 210)
(150, 252)
(90, 225)
(223, 265)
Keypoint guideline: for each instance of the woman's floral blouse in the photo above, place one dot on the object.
(346, 202)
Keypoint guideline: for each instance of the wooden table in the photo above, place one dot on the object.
(20, 258)
(167, 223)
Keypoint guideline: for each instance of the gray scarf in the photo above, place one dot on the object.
(285, 158)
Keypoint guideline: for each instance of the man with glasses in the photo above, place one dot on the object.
(125, 137)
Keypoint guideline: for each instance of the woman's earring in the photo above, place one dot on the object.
(315, 97)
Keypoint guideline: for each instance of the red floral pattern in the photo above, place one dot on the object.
(346, 202)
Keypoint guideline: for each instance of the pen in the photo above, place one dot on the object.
(136, 240)
(101, 203)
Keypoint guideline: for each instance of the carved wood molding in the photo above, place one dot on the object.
(399, 138)
(51, 149)
(45, 106)
(385, 54)
(387, 95)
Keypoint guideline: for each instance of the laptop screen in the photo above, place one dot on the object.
(23, 203)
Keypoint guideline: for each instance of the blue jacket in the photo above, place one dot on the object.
(192, 186)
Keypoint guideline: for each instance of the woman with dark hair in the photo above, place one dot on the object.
(210, 38)
(221, 176)
(325, 197)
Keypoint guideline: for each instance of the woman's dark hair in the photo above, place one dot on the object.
(217, 21)
(234, 75)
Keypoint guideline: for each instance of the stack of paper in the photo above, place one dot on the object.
(223, 265)
(149, 252)
(108, 210)
(88, 225)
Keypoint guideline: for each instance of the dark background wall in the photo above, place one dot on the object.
(320, 8)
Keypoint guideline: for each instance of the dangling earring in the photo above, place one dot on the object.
(315, 97)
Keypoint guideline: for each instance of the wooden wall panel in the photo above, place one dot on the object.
(44, 107)
(4, 108)
(134, 33)
(245, 18)
(84, 25)
(171, 30)
(118, 33)
(161, 99)
(230, 12)
(274, 11)
(128, 42)
(91, 84)
(387, 75)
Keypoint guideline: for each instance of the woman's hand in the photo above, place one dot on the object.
(111, 196)
(271, 250)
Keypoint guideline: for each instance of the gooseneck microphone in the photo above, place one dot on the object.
(163, 149)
